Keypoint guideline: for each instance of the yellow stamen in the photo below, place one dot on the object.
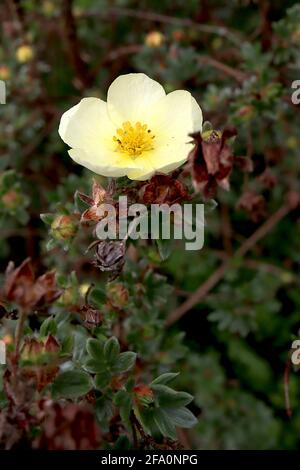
(134, 139)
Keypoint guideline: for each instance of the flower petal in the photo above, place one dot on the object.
(87, 126)
(173, 118)
(105, 167)
(197, 116)
(131, 98)
(169, 157)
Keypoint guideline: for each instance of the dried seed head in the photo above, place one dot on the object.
(91, 316)
(110, 255)
(163, 189)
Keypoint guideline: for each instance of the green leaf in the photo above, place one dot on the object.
(123, 401)
(102, 380)
(98, 297)
(95, 348)
(165, 248)
(165, 378)
(124, 362)
(72, 384)
(122, 443)
(67, 345)
(103, 408)
(48, 327)
(47, 218)
(169, 398)
(95, 366)
(164, 424)
(182, 417)
(111, 349)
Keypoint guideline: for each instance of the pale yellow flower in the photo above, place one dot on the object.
(139, 131)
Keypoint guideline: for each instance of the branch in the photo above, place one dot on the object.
(73, 45)
(238, 75)
(219, 273)
(173, 20)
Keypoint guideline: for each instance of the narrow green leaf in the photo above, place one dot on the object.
(165, 378)
(47, 218)
(169, 398)
(48, 327)
(165, 248)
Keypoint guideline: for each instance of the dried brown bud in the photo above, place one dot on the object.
(21, 287)
(51, 346)
(211, 160)
(99, 196)
(244, 164)
(163, 189)
(254, 204)
(267, 179)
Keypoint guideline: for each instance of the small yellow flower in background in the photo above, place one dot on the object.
(139, 131)
(154, 39)
(24, 53)
(4, 72)
(84, 288)
(48, 7)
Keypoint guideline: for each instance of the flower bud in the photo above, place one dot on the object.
(11, 200)
(51, 346)
(246, 112)
(211, 134)
(296, 37)
(64, 227)
(117, 295)
(69, 297)
(4, 72)
(32, 350)
(143, 395)
(178, 35)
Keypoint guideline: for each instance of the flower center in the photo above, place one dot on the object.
(134, 139)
